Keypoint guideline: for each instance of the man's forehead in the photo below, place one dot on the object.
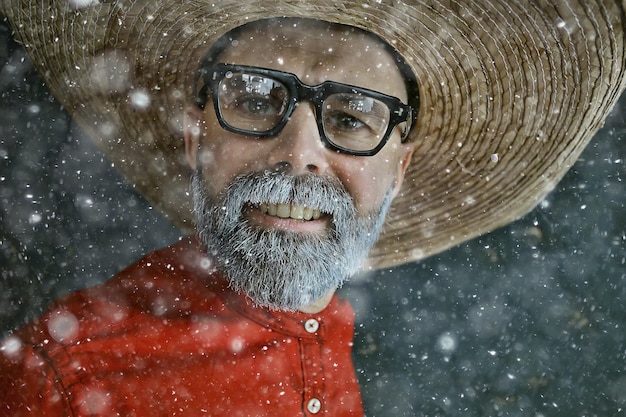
(314, 36)
(315, 51)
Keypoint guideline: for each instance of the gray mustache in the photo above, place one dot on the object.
(326, 194)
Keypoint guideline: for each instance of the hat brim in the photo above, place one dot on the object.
(510, 93)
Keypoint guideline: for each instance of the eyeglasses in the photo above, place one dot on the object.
(258, 102)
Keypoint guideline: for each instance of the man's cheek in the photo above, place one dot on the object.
(206, 156)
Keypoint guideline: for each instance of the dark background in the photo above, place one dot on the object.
(526, 321)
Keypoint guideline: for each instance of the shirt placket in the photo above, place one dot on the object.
(312, 369)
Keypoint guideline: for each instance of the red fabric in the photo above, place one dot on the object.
(166, 337)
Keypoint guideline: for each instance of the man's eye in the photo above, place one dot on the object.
(345, 121)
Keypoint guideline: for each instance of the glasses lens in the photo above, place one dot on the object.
(355, 121)
(252, 102)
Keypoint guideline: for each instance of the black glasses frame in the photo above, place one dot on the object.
(316, 94)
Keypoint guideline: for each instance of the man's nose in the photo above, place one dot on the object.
(298, 148)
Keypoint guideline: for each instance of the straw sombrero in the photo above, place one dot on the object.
(510, 93)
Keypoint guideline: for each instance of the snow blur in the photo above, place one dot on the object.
(526, 321)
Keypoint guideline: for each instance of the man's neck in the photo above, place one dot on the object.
(319, 304)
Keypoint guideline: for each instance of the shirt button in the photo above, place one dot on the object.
(311, 325)
(314, 406)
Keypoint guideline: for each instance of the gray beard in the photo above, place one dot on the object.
(276, 268)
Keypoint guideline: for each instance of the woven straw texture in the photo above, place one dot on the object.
(510, 92)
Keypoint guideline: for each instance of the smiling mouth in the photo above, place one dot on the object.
(290, 211)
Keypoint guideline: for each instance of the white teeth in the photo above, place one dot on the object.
(297, 212)
(283, 211)
(293, 211)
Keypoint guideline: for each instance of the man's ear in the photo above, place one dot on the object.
(192, 132)
(403, 164)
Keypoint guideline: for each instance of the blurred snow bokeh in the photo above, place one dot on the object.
(69, 219)
(526, 321)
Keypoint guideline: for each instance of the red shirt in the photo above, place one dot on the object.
(166, 337)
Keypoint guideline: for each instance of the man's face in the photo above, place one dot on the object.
(315, 54)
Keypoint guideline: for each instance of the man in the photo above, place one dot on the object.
(298, 150)
(287, 220)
